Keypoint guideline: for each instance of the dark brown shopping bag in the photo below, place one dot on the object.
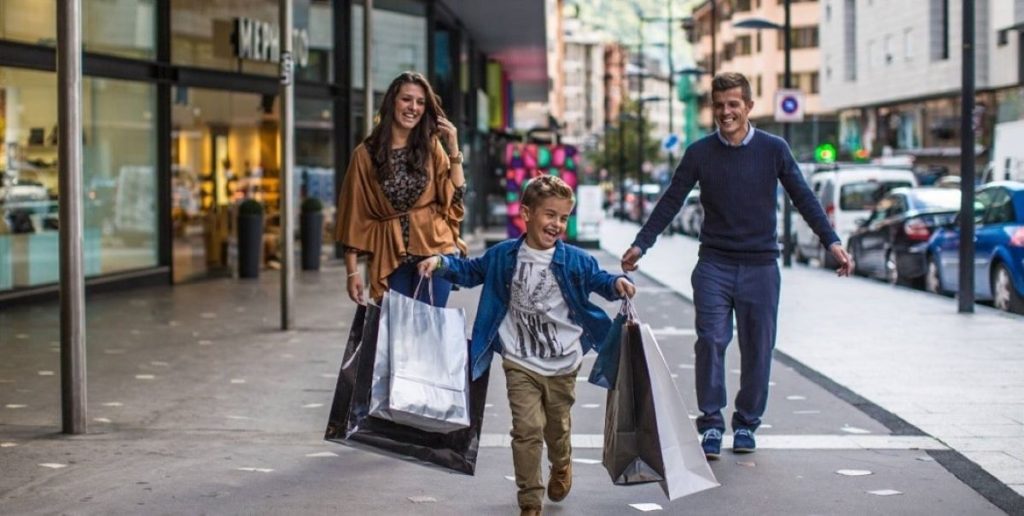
(351, 424)
(648, 433)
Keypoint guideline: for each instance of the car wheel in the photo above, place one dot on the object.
(825, 259)
(933, 277)
(892, 273)
(1004, 296)
(855, 258)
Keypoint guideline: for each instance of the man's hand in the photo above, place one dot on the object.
(355, 288)
(625, 288)
(842, 258)
(630, 259)
(427, 267)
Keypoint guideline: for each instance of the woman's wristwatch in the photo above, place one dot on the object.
(456, 159)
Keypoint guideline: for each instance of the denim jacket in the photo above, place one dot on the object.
(576, 272)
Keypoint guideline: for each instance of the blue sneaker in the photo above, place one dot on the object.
(743, 441)
(711, 441)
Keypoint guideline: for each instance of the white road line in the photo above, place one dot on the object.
(771, 442)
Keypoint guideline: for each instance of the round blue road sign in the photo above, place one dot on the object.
(790, 104)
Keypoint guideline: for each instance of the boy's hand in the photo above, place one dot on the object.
(427, 267)
(625, 287)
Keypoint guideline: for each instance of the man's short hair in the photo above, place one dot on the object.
(729, 80)
(544, 187)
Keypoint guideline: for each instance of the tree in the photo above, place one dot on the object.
(607, 156)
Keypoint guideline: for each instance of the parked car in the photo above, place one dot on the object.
(998, 249)
(848, 193)
(690, 215)
(892, 243)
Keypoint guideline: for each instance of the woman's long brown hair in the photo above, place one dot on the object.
(421, 137)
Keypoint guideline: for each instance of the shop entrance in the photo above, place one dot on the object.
(224, 149)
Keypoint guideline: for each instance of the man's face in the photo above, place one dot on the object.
(731, 110)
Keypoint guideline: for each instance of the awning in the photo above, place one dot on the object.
(513, 33)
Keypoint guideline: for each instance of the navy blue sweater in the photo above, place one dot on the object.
(738, 193)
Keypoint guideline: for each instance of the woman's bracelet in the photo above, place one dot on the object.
(353, 273)
(440, 263)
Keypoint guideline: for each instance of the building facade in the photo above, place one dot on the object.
(719, 46)
(893, 72)
(180, 119)
(584, 86)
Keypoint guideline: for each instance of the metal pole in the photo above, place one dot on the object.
(640, 127)
(622, 170)
(69, 158)
(671, 86)
(714, 29)
(368, 66)
(286, 203)
(966, 291)
(787, 208)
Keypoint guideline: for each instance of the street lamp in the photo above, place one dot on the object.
(761, 24)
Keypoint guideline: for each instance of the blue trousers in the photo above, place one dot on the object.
(405, 278)
(751, 292)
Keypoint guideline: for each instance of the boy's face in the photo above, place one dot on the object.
(546, 222)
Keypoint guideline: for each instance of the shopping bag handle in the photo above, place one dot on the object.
(430, 289)
(628, 309)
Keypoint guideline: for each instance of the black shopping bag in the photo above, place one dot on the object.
(632, 451)
(648, 435)
(351, 424)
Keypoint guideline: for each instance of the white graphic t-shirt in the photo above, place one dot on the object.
(537, 332)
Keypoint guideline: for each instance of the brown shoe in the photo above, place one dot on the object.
(529, 511)
(560, 483)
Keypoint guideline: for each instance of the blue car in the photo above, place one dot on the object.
(998, 248)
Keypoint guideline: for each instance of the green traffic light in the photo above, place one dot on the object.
(825, 153)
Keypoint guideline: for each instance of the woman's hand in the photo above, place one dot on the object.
(450, 135)
(625, 288)
(427, 267)
(355, 288)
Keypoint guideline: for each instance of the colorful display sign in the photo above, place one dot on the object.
(525, 161)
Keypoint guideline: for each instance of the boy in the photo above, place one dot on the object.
(534, 310)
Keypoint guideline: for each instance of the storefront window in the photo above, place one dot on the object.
(119, 180)
(117, 27)
(243, 36)
(314, 152)
(399, 41)
(224, 149)
(29, 21)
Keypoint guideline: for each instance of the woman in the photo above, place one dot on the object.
(401, 200)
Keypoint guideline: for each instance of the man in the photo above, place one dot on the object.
(738, 168)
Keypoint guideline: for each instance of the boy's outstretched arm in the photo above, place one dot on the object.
(468, 272)
(609, 286)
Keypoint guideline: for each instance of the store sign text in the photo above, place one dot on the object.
(260, 41)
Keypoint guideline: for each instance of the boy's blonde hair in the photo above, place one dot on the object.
(544, 187)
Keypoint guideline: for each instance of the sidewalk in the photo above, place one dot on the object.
(959, 378)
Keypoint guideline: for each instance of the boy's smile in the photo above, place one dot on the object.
(546, 222)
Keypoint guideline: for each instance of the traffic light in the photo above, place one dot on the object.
(825, 153)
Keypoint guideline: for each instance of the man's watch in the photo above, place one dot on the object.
(456, 159)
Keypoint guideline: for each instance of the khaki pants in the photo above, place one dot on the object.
(541, 408)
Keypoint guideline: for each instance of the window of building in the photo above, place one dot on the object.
(908, 44)
(120, 28)
(938, 13)
(758, 38)
(741, 5)
(887, 50)
(871, 54)
(119, 177)
(800, 37)
(399, 33)
(743, 45)
(813, 80)
(850, 40)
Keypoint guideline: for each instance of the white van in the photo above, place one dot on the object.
(847, 193)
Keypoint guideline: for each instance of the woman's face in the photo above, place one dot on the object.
(410, 104)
